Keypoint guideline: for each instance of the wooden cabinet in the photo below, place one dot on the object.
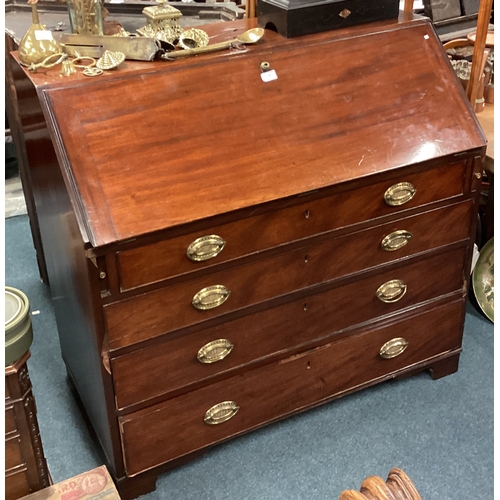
(25, 465)
(225, 251)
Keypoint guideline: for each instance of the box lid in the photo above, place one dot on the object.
(190, 139)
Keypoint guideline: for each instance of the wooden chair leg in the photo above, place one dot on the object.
(251, 8)
(483, 20)
(397, 487)
(408, 9)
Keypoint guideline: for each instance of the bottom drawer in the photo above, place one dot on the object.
(16, 485)
(176, 427)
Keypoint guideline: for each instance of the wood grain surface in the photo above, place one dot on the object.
(281, 388)
(168, 309)
(163, 368)
(186, 148)
(129, 168)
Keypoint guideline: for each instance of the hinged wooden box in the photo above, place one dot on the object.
(293, 18)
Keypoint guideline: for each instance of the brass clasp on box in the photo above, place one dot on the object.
(391, 291)
(214, 351)
(399, 194)
(210, 297)
(221, 412)
(205, 248)
(393, 348)
(396, 240)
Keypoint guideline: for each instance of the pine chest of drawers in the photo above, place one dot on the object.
(224, 251)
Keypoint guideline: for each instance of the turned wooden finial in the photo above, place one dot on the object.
(397, 487)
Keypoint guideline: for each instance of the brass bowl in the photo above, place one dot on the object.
(483, 282)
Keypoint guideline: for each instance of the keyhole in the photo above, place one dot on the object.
(306, 214)
(305, 307)
(308, 365)
(306, 258)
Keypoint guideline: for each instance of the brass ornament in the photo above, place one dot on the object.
(210, 297)
(136, 48)
(396, 240)
(86, 16)
(393, 348)
(48, 62)
(162, 23)
(92, 71)
(67, 68)
(166, 35)
(110, 60)
(80, 58)
(37, 43)
(399, 194)
(122, 32)
(214, 351)
(345, 13)
(250, 36)
(391, 291)
(193, 38)
(205, 248)
(221, 412)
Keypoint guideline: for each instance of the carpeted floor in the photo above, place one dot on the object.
(440, 432)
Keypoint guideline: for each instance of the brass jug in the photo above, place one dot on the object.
(37, 44)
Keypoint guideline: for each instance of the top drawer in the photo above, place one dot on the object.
(165, 259)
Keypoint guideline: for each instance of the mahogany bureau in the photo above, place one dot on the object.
(224, 252)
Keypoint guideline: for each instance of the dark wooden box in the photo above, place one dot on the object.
(291, 18)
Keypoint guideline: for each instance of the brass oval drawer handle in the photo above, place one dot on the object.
(391, 291)
(396, 240)
(205, 248)
(221, 412)
(214, 351)
(393, 348)
(399, 194)
(210, 297)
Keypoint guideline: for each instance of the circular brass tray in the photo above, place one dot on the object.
(482, 280)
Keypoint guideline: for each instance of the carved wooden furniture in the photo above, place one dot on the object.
(397, 487)
(25, 465)
(224, 255)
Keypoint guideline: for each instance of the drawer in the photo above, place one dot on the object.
(10, 420)
(176, 427)
(149, 315)
(17, 485)
(13, 456)
(165, 259)
(8, 395)
(165, 367)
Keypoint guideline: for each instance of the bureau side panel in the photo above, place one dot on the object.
(71, 274)
(17, 110)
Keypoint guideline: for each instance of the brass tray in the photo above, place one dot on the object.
(482, 280)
